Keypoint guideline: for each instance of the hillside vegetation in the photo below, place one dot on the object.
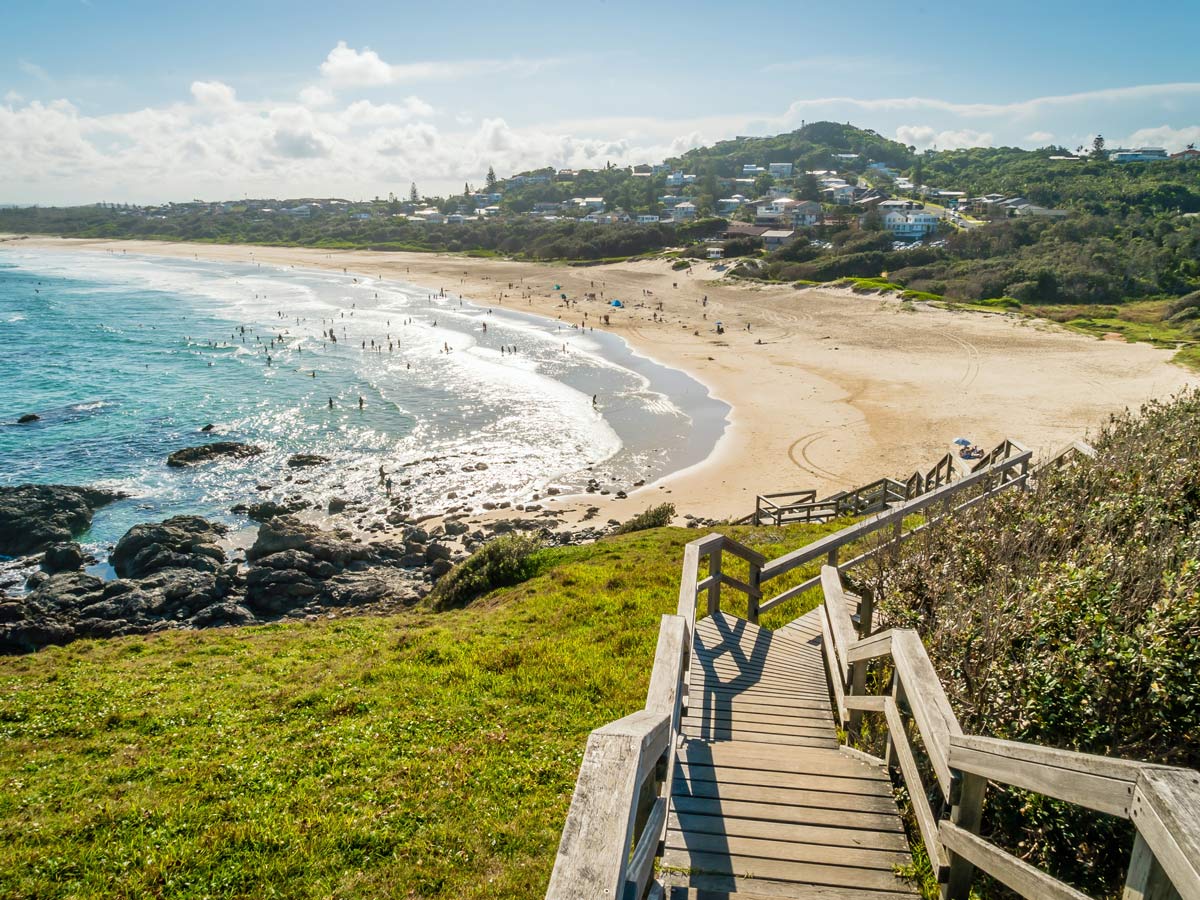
(1069, 616)
(418, 755)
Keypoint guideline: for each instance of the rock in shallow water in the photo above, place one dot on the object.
(181, 542)
(65, 557)
(190, 456)
(35, 516)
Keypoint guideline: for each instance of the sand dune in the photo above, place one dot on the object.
(842, 389)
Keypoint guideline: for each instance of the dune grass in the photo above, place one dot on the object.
(417, 755)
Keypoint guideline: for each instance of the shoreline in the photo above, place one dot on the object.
(826, 389)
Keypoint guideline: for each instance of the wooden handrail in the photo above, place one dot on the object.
(1163, 802)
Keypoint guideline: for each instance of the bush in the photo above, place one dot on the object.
(1183, 304)
(506, 561)
(655, 517)
(1069, 616)
(680, 264)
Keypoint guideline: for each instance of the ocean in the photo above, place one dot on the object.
(125, 358)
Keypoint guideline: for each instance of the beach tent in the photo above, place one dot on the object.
(558, 287)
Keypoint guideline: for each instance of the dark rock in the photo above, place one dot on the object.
(437, 551)
(190, 456)
(300, 460)
(337, 504)
(65, 557)
(224, 613)
(269, 509)
(35, 516)
(412, 561)
(440, 567)
(288, 533)
(620, 495)
(11, 611)
(208, 427)
(181, 542)
(27, 418)
(453, 528)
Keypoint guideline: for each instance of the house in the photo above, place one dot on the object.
(1141, 154)
(678, 179)
(749, 170)
(303, 210)
(430, 216)
(491, 211)
(901, 204)
(841, 194)
(743, 230)
(780, 170)
(455, 219)
(731, 204)
(846, 155)
(647, 219)
(643, 171)
(596, 204)
(1190, 154)
(773, 210)
(806, 213)
(672, 200)
(1032, 209)
(683, 212)
(715, 251)
(1067, 158)
(547, 207)
(909, 224)
(883, 168)
(777, 237)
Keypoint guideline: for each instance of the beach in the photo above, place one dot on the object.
(827, 389)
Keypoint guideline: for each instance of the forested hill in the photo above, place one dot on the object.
(814, 146)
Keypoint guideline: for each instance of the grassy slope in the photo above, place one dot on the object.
(417, 755)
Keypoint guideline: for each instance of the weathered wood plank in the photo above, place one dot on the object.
(1095, 782)
(785, 870)
(796, 815)
(796, 834)
(767, 849)
(598, 831)
(704, 886)
(851, 800)
(840, 623)
(834, 673)
(873, 784)
(1166, 811)
(935, 719)
(926, 822)
(1017, 874)
(641, 862)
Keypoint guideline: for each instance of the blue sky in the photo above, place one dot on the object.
(108, 100)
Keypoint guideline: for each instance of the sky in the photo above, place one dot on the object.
(132, 101)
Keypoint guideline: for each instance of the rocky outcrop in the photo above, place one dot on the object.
(65, 557)
(35, 516)
(191, 456)
(182, 542)
(27, 418)
(301, 460)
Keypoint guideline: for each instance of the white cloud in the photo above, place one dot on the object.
(33, 70)
(214, 94)
(924, 137)
(12, 97)
(1041, 138)
(347, 67)
(1173, 139)
(315, 96)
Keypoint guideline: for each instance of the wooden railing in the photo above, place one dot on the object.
(1162, 802)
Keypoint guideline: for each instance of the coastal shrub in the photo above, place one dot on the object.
(506, 561)
(1069, 616)
(681, 264)
(654, 517)
(1184, 304)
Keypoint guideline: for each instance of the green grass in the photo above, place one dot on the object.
(417, 755)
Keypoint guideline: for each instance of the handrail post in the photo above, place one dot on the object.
(966, 812)
(1146, 879)
(866, 612)
(714, 586)
(755, 596)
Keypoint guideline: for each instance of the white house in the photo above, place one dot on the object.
(683, 212)
(749, 170)
(806, 213)
(773, 211)
(911, 224)
(647, 220)
(678, 179)
(841, 194)
(731, 204)
(780, 170)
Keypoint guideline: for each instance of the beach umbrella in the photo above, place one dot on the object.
(962, 442)
(558, 287)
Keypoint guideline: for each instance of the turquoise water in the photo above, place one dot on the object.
(125, 358)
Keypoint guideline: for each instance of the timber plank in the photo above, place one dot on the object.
(778, 812)
(732, 845)
(832, 783)
(796, 834)
(784, 870)
(784, 796)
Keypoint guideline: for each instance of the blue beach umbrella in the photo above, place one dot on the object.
(962, 442)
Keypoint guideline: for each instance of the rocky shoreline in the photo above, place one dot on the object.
(180, 573)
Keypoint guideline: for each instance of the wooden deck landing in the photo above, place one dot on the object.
(764, 802)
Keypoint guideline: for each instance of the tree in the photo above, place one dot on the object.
(810, 188)
(412, 193)
(1098, 147)
(918, 173)
(491, 180)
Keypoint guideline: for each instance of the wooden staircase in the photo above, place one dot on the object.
(732, 781)
(764, 801)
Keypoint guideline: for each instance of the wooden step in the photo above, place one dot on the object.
(784, 870)
(730, 888)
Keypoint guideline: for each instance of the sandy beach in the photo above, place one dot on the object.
(828, 389)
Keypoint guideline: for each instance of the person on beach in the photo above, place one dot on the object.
(331, 403)
(360, 402)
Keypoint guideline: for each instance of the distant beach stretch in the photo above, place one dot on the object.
(827, 389)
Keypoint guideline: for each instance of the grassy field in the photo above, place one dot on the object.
(419, 755)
